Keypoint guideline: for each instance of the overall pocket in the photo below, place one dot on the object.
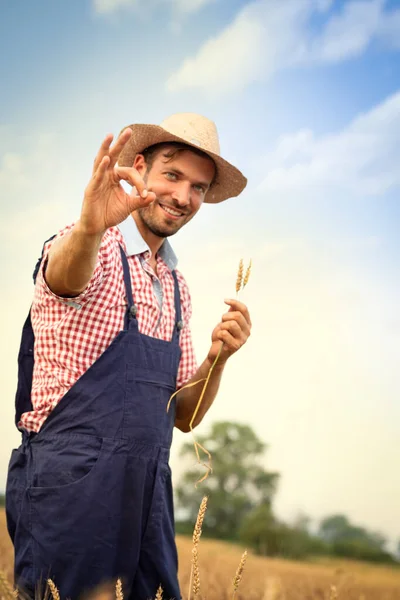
(72, 510)
(63, 460)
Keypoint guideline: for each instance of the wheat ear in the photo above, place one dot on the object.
(239, 278)
(239, 574)
(53, 589)
(247, 276)
(159, 595)
(119, 595)
(194, 582)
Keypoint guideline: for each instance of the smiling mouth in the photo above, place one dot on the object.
(171, 212)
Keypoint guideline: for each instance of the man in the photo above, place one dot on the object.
(106, 343)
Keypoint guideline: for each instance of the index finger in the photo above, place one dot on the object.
(237, 305)
(103, 151)
(119, 145)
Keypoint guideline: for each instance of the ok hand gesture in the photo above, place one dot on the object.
(105, 202)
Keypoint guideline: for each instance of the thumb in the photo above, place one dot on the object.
(136, 201)
(133, 177)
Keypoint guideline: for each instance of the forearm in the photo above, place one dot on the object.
(71, 262)
(187, 398)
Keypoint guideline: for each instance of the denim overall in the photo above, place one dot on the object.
(89, 497)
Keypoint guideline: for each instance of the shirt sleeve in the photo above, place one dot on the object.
(101, 268)
(188, 364)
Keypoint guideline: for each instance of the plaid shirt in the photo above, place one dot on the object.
(71, 333)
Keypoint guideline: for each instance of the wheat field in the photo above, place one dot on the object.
(263, 578)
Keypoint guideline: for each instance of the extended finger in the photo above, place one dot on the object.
(119, 145)
(100, 172)
(104, 149)
(133, 177)
(239, 306)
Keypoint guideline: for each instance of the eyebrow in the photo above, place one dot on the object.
(178, 172)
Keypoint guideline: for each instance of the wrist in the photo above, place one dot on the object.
(83, 230)
(218, 366)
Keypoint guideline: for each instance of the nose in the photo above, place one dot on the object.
(182, 194)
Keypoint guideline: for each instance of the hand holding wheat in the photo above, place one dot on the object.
(227, 338)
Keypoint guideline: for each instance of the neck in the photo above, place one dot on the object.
(153, 241)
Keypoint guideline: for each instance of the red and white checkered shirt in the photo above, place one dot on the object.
(71, 333)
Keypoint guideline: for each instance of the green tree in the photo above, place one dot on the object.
(353, 541)
(239, 481)
(268, 536)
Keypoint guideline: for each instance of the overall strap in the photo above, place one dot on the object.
(178, 312)
(37, 267)
(132, 309)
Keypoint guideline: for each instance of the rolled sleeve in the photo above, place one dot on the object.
(97, 277)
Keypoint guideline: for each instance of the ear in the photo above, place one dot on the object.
(139, 164)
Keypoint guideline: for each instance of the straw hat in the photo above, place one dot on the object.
(193, 130)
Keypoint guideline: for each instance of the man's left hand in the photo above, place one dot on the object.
(233, 330)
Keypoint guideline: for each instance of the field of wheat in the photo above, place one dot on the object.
(263, 578)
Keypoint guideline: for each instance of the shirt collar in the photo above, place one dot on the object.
(135, 244)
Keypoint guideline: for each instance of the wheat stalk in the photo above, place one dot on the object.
(239, 278)
(247, 276)
(159, 595)
(53, 589)
(334, 593)
(119, 595)
(199, 522)
(6, 589)
(272, 589)
(194, 582)
(196, 573)
(239, 574)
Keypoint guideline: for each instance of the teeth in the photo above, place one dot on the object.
(172, 212)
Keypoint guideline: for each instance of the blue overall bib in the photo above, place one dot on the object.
(89, 497)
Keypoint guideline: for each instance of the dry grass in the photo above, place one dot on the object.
(265, 578)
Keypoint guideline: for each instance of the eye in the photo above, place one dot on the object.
(171, 176)
(199, 188)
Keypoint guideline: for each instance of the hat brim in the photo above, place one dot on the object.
(229, 181)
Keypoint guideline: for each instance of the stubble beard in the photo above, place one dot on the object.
(150, 221)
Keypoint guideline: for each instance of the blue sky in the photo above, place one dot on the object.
(306, 97)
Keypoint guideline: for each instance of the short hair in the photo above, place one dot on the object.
(175, 148)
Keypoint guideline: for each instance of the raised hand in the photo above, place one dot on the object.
(105, 202)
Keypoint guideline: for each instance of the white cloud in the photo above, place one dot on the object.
(108, 6)
(178, 6)
(268, 35)
(348, 34)
(241, 46)
(362, 159)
